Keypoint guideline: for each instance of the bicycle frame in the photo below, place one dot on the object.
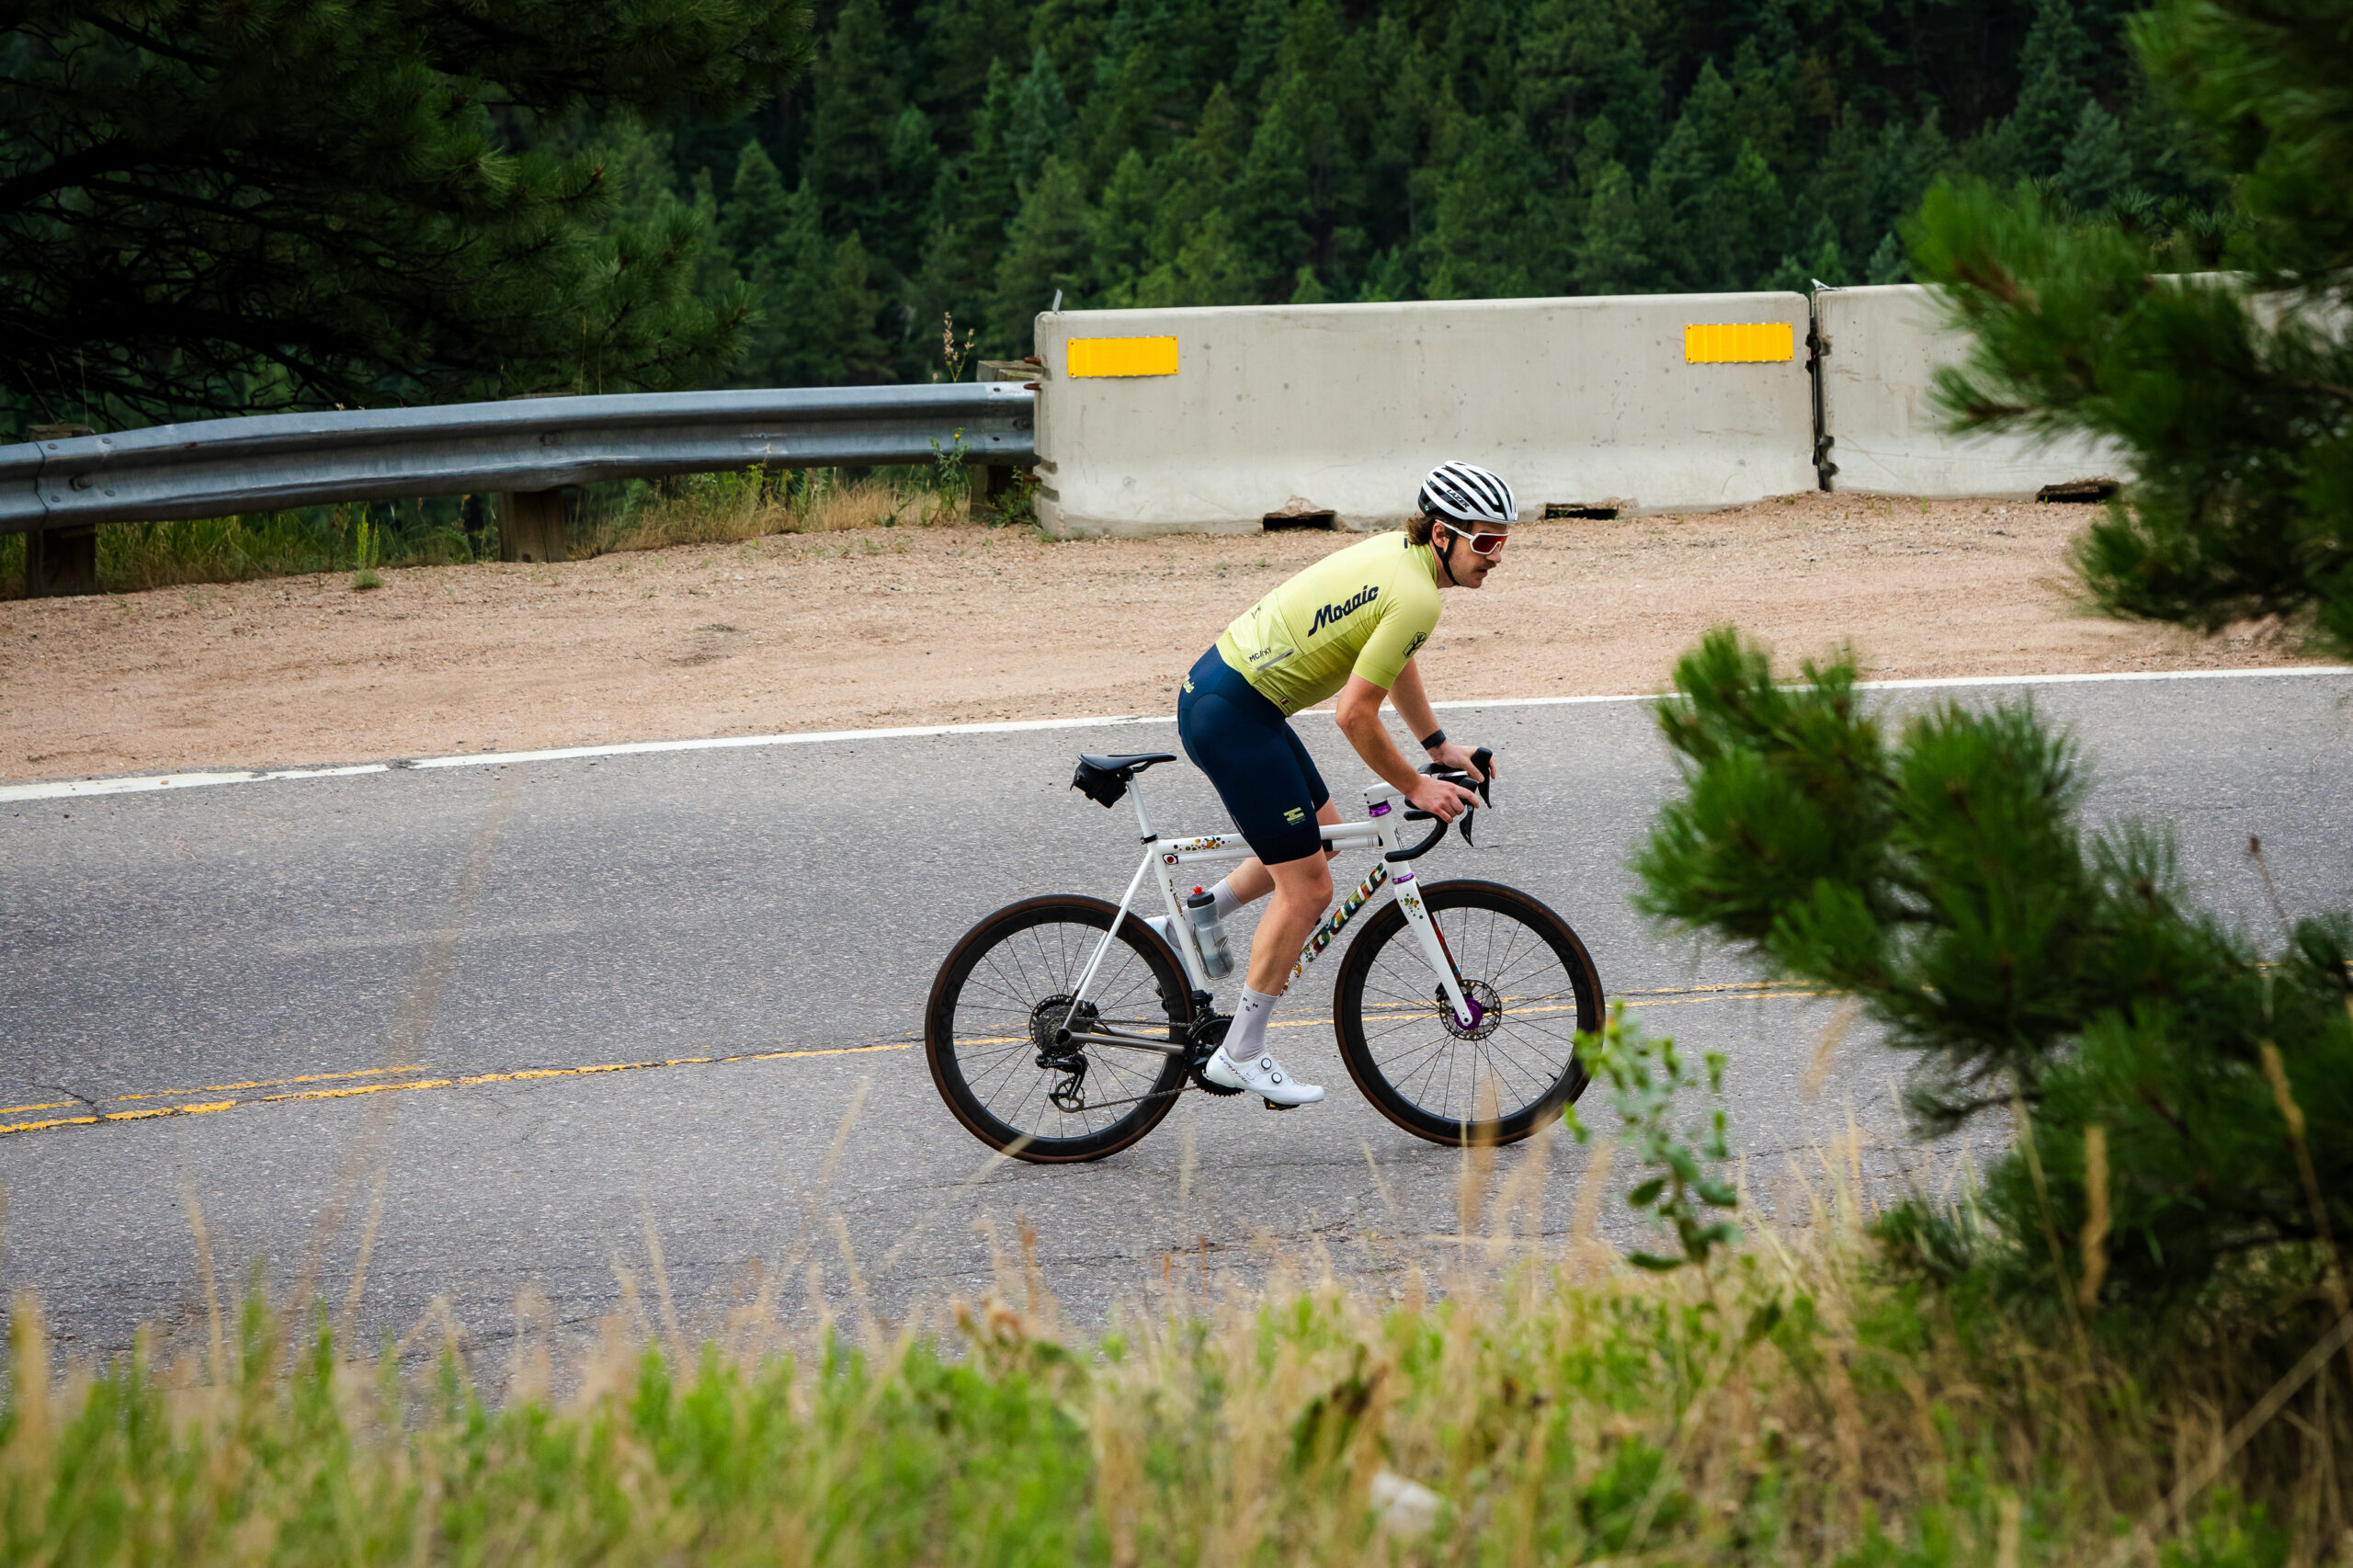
(1393, 873)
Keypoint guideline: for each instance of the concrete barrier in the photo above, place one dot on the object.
(1885, 347)
(1307, 410)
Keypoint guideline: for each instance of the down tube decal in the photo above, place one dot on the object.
(1338, 922)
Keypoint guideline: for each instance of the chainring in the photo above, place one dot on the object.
(1207, 1035)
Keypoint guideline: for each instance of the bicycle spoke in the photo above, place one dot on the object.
(1406, 1033)
(1021, 987)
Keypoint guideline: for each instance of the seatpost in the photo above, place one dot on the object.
(1144, 819)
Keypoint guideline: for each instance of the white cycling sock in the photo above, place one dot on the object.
(1247, 1035)
(1226, 902)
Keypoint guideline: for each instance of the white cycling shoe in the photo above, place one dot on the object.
(1263, 1076)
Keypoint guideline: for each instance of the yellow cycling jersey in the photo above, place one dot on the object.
(1363, 610)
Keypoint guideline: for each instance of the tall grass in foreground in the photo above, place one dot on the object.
(1790, 1406)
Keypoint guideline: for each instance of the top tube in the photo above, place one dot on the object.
(1229, 846)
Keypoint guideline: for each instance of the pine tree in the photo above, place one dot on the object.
(1039, 111)
(1611, 258)
(817, 304)
(961, 41)
(2051, 92)
(857, 110)
(190, 192)
(1045, 253)
(1493, 225)
(1822, 262)
(758, 205)
(1888, 264)
(1679, 207)
(1213, 268)
(2230, 396)
(1273, 195)
(2097, 167)
(1119, 250)
(1937, 867)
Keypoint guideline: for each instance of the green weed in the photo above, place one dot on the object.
(1799, 1407)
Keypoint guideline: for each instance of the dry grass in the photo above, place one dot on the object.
(720, 508)
(730, 508)
(1508, 1400)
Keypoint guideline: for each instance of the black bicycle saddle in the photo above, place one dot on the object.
(1128, 762)
(1104, 777)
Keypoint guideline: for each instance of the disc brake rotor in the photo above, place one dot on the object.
(1487, 1011)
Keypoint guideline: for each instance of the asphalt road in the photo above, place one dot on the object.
(270, 949)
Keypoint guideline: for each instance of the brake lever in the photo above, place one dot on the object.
(1482, 760)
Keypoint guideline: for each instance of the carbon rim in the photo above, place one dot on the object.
(1535, 985)
(993, 1042)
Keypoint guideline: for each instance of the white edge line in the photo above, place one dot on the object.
(78, 788)
(72, 788)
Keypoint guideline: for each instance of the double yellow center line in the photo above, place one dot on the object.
(349, 1090)
(395, 1080)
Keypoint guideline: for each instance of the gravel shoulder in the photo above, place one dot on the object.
(944, 625)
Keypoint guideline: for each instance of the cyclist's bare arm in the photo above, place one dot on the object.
(1358, 712)
(1413, 705)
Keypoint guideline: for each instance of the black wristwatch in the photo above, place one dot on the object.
(1434, 740)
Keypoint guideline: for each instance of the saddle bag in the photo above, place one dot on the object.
(1104, 786)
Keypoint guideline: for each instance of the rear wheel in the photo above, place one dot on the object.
(1505, 1075)
(1004, 999)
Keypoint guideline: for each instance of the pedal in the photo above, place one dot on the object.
(1272, 1105)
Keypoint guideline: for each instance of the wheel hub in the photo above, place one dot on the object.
(1487, 1011)
(1052, 1023)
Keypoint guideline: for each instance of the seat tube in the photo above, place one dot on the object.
(1143, 818)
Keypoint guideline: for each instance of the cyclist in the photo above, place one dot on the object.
(1351, 624)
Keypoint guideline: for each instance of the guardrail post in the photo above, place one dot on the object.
(994, 480)
(530, 526)
(61, 560)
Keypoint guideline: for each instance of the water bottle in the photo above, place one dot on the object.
(1208, 932)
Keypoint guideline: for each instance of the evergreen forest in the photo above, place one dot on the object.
(975, 158)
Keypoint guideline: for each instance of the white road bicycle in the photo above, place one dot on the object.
(1064, 1027)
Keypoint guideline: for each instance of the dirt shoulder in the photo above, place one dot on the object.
(916, 626)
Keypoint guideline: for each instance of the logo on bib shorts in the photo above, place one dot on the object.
(1296, 816)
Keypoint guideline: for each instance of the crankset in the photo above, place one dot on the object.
(1208, 1033)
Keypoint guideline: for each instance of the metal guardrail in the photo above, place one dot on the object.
(218, 467)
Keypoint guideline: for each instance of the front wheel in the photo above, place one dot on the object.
(1506, 1074)
(1008, 993)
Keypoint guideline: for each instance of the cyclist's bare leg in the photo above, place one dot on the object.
(1251, 881)
(1302, 892)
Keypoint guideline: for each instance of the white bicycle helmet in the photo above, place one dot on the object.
(1463, 493)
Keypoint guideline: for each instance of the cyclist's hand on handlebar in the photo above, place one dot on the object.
(1443, 801)
(1461, 759)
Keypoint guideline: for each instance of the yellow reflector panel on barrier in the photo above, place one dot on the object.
(1739, 343)
(1121, 356)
